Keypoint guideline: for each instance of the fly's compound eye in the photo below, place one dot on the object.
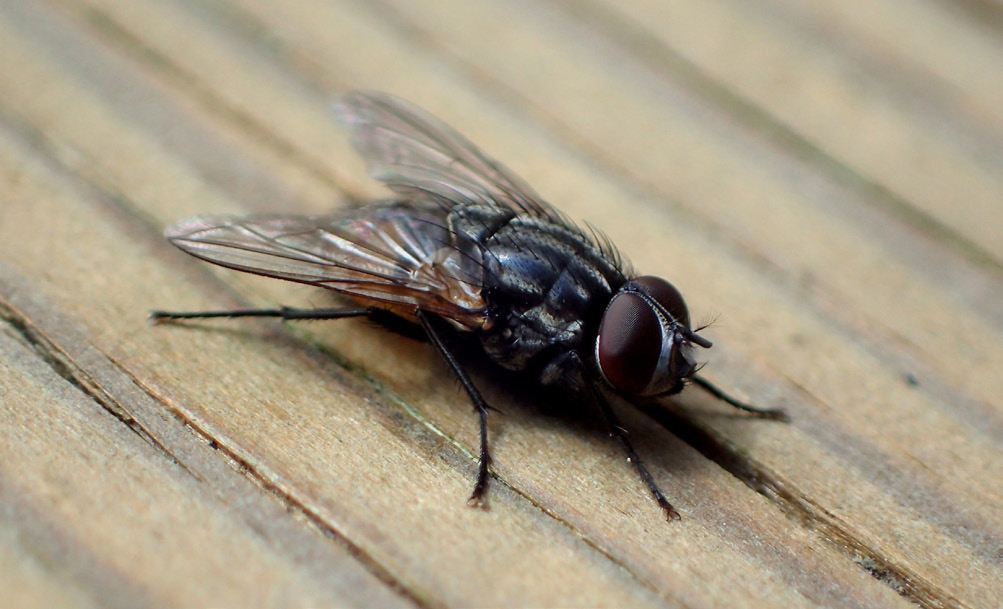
(630, 343)
(666, 295)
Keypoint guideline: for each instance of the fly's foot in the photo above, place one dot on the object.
(670, 512)
(477, 499)
(773, 415)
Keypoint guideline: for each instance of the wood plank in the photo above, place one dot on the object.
(722, 174)
(865, 457)
(118, 118)
(333, 474)
(94, 514)
(956, 72)
(916, 124)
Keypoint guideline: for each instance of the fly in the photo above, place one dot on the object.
(467, 249)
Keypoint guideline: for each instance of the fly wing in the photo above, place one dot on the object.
(393, 256)
(418, 155)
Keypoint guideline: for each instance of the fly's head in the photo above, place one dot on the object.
(645, 344)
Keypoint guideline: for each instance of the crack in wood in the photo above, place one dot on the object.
(799, 507)
(63, 365)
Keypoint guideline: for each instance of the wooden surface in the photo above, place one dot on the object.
(825, 179)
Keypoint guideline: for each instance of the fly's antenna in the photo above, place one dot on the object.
(709, 323)
(693, 337)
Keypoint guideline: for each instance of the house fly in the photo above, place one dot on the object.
(467, 248)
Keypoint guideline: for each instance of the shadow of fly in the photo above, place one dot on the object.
(467, 249)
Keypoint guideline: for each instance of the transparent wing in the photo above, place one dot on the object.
(418, 155)
(393, 256)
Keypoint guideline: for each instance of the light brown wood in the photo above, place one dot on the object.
(827, 185)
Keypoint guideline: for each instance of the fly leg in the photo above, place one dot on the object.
(777, 414)
(481, 486)
(617, 431)
(283, 312)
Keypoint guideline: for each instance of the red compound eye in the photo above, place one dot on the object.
(630, 343)
(666, 295)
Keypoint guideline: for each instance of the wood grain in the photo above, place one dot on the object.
(827, 178)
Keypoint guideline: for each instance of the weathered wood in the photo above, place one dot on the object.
(96, 512)
(828, 185)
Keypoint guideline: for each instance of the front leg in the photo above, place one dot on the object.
(762, 413)
(621, 435)
(573, 365)
(481, 406)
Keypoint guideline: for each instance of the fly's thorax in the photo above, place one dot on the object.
(645, 345)
(477, 223)
(547, 288)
